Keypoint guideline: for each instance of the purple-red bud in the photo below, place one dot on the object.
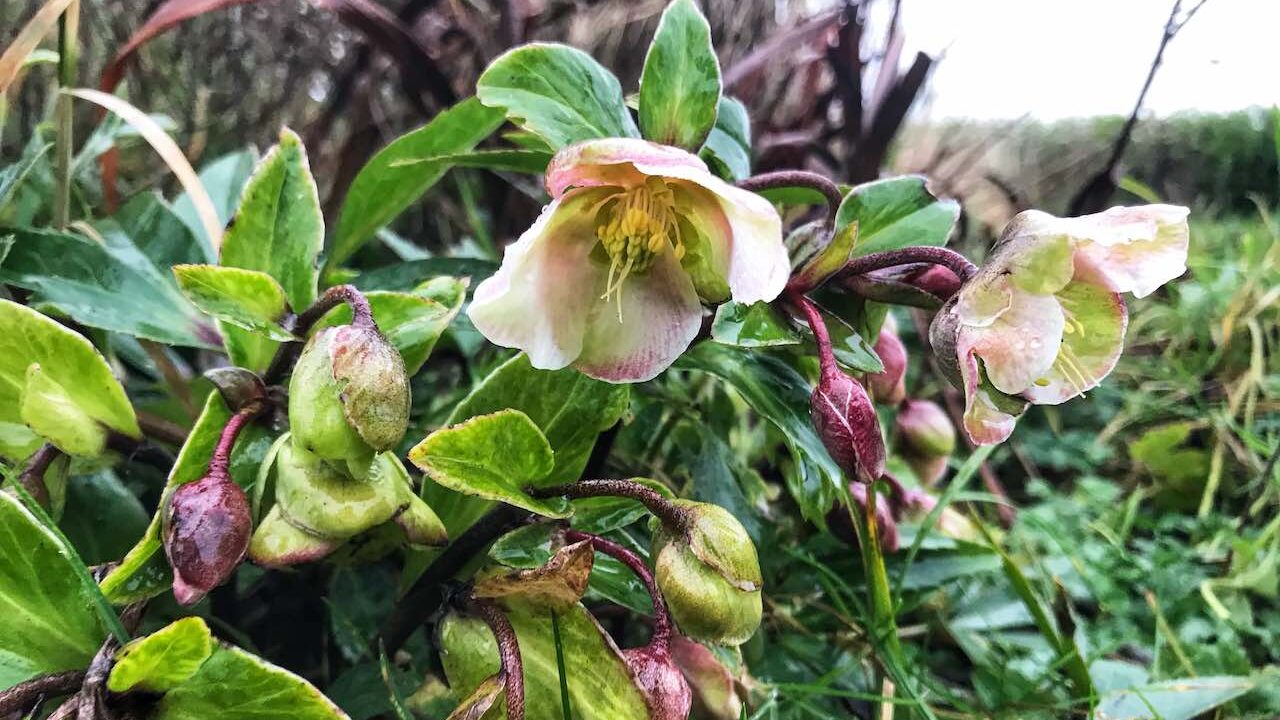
(206, 533)
(666, 692)
(889, 385)
(846, 421)
(925, 438)
(936, 280)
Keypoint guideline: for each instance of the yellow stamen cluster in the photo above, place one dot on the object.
(634, 227)
(1066, 363)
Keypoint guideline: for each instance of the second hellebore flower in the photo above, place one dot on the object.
(1043, 321)
(612, 276)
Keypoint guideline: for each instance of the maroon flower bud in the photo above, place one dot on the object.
(846, 421)
(206, 533)
(925, 438)
(889, 385)
(666, 692)
(936, 280)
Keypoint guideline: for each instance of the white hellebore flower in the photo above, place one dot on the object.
(612, 276)
(1043, 321)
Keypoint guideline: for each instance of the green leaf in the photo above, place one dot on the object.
(407, 275)
(729, 144)
(557, 92)
(235, 685)
(67, 361)
(279, 230)
(780, 395)
(109, 284)
(533, 162)
(756, 325)
(411, 322)
(160, 233)
(680, 84)
(12, 176)
(102, 519)
(600, 685)
(164, 659)
(248, 299)
(851, 320)
(1181, 699)
(569, 408)
(830, 259)
(49, 623)
(491, 456)
(144, 571)
(895, 213)
(384, 188)
(224, 179)
(53, 414)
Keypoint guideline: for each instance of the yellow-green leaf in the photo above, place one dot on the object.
(164, 659)
(248, 299)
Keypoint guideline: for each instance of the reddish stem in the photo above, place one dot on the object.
(949, 259)
(826, 357)
(361, 316)
(674, 518)
(32, 476)
(661, 617)
(798, 178)
(509, 653)
(220, 462)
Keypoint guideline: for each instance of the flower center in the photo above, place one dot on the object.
(1067, 364)
(634, 227)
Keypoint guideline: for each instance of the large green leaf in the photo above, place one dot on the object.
(729, 143)
(569, 408)
(279, 230)
(756, 325)
(560, 93)
(47, 618)
(895, 213)
(110, 284)
(600, 686)
(387, 184)
(235, 685)
(102, 519)
(144, 572)
(680, 84)
(781, 395)
(67, 361)
(52, 413)
(248, 299)
(224, 179)
(160, 233)
(492, 456)
(164, 659)
(1181, 699)
(407, 275)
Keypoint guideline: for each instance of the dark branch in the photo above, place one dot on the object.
(798, 178)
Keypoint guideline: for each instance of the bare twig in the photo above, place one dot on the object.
(22, 696)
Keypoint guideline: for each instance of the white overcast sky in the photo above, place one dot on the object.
(1072, 58)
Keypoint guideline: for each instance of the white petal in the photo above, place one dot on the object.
(1021, 344)
(661, 315)
(1130, 249)
(540, 298)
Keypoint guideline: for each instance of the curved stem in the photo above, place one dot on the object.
(950, 259)
(25, 694)
(220, 463)
(671, 516)
(661, 617)
(361, 316)
(798, 178)
(826, 358)
(508, 652)
(32, 477)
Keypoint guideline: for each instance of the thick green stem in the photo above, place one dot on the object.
(68, 57)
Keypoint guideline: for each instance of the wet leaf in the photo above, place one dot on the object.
(164, 659)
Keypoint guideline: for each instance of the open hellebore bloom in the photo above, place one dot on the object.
(612, 276)
(1043, 321)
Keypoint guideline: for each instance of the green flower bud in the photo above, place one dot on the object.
(709, 574)
(349, 394)
(322, 500)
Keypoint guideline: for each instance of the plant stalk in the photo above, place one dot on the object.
(672, 516)
(950, 259)
(68, 58)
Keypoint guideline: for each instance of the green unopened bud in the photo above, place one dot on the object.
(349, 394)
(709, 574)
(322, 500)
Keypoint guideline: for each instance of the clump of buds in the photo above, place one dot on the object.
(889, 385)
(925, 439)
(707, 570)
(207, 523)
(349, 394)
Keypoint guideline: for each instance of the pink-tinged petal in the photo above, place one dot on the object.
(1092, 342)
(614, 161)
(984, 422)
(1021, 344)
(1131, 249)
(661, 315)
(547, 286)
(1033, 253)
(758, 265)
